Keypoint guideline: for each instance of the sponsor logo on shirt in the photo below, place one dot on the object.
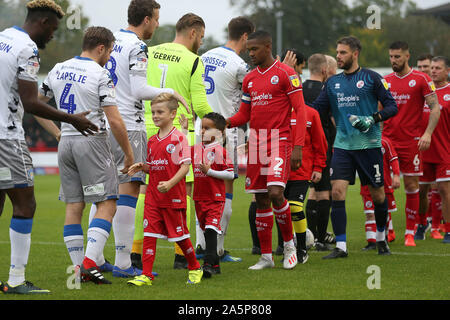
(170, 148)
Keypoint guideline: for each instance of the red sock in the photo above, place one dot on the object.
(447, 227)
(429, 197)
(88, 263)
(148, 256)
(283, 216)
(264, 225)
(371, 230)
(411, 210)
(436, 209)
(189, 254)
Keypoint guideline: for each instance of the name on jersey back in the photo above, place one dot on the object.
(71, 76)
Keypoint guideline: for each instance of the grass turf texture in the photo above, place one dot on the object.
(409, 273)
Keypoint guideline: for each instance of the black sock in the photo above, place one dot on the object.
(323, 216)
(381, 215)
(211, 256)
(311, 216)
(252, 222)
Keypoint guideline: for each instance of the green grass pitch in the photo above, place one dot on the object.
(409, 273)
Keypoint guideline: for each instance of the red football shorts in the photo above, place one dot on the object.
(410, 159)
(370, 208)
(209, 214)
(268, 166)
(165, 223)
(435, 172)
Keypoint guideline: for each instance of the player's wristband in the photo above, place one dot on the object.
(377, 117)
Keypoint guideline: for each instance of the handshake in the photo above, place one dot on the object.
(362, 123)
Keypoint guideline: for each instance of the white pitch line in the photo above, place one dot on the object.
(43, 243)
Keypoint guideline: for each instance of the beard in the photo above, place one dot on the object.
(398, 68)
(346, 65)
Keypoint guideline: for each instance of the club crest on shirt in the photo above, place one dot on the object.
(295, 80)
(210, 156)
(360, 84)
(274, 80)
(412, 83)
(447, 97)
(170, 148)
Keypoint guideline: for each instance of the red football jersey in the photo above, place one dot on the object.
(409, 92)
(439, 151)
(165, 156)
(314, 153)
(206, 187)
(268, 97)
(389, 157)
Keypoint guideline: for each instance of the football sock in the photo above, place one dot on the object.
(411, 209)
(436, 209)
(264, 225)
(148, 256)
(371, 230)
(252, 223)
(123, 227)
(381, 219)
(20, 238)
(299, 223)
(74, 240)
(97, 235)
(199, 235)
(311, 217)
(211, 256)
(224, 222)
(323, 216)
(390, 223)
(189, 253)
(283, 216)
(339, 223)
(139, 225)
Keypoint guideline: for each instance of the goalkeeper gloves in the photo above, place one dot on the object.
(362, 123)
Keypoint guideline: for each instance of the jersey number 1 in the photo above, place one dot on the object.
(69, 105)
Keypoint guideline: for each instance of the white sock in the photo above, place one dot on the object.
(224, 222)
(74, 240)
(380, 235)
(341, 245)
(97, 236)
(199, 236)
(123, 227)
(20, 238)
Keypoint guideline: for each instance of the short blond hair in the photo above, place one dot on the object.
(46, 5)
(167, 98)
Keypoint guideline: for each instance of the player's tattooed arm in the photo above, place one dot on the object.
(435, 112)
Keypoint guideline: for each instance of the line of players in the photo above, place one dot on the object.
(270, 190)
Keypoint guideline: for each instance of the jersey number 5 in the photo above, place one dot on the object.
(69, 105)
(208, 79)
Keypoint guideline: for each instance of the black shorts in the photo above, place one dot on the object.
(368, 163)
(296, 190)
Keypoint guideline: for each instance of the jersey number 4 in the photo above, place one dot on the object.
(67, 101)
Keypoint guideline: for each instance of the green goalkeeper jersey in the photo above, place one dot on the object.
(172, 65)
